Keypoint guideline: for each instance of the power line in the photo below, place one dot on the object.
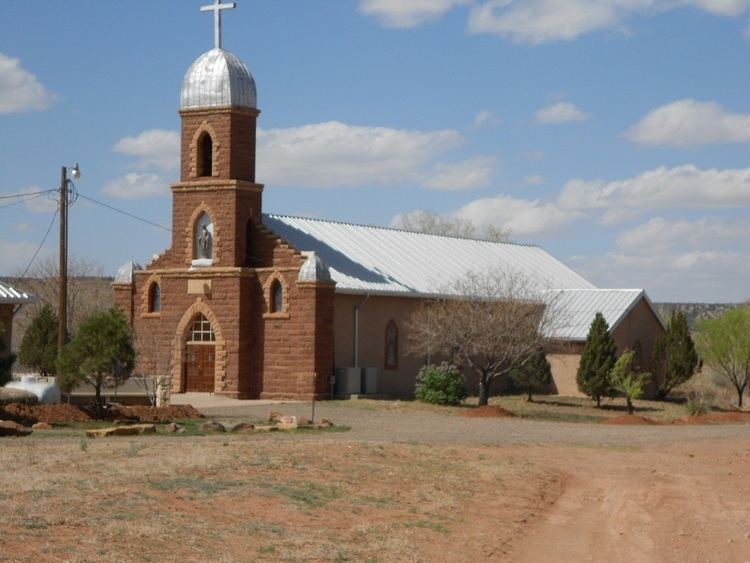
(92, 200)
(20, 201)
(26, 194)
(41, 244)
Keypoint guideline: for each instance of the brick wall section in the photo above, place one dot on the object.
(6, 325)
(233, 136)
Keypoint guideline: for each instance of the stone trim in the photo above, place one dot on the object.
(190, 234)
(204, 127)
(267, 297)
(180, 344)
(146, 297)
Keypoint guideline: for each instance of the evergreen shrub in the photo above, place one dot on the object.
(440, 385)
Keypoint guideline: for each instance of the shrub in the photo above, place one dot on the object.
(6, 361)
(440, 385)
(696, 407)
(39, 345)
(534, 374)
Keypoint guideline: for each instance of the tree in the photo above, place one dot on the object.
(675, 352)
(626, 382)
(597, 360)
(534, 375)
(39, 345)
(724, 345)
(489, 322)
(435, 224)
(101, 348)
(6, 360)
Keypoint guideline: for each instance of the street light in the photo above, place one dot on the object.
(68, 196)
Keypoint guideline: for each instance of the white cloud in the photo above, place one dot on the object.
(690, 123)
(19, 89)
(534, 180)
(469, 174)
(521, 216)
(136, 186)
(407, 13)
(561, 112)
(485, 118)
(542, 21)
(40, 203)
(23, 227)
(682, 187)
(704, 259)
(154, 147)
(334, 154)
(16, 256)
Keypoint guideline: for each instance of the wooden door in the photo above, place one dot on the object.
(199, 368)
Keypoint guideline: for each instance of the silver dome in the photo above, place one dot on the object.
(126, 271)
(314, 270)
(218, 79)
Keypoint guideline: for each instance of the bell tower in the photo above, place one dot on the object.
(217, 200)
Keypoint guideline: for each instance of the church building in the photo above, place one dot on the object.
(250, 305)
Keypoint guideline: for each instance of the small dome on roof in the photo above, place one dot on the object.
(314, 270)
(126, 271)
(218, 79)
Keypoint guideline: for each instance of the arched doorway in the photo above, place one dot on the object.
(200, 356)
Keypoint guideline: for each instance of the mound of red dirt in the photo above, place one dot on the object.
(714, 418)
(27, 414)
(64, 413)
(630, 419)
(487, 411)
(143, 413)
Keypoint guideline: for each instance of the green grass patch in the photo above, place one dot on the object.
(193, 484)
(305, 493)
(425, 524)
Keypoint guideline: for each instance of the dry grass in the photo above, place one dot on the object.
(267, 497)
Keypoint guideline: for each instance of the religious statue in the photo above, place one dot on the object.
(204, 243)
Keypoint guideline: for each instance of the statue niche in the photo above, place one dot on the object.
(203, 241)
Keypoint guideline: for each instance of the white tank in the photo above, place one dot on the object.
(47, 393)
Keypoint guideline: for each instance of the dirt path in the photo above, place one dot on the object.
(688, 502)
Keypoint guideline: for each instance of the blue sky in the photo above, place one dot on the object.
(613, 133)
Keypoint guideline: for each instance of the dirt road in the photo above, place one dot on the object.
(685, 502)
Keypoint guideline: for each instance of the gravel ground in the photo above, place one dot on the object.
(395, 425)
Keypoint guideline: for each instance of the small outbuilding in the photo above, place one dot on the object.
(11, 299)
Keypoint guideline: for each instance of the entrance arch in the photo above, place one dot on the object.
(199, 352)
(200, 356)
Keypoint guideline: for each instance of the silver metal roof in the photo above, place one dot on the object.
(126, 271)
(218, 79)
(11, 295)
(363, 259)
(575, 309)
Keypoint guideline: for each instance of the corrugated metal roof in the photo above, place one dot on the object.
(575, 309)
(366, 259)
(9, 294)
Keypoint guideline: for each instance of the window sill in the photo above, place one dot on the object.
(152, 315)
(271, 316)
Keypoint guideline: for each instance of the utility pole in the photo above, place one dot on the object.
(62, 297)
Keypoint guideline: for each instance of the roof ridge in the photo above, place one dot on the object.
(396, 229)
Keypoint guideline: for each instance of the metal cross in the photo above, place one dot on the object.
(216, 8)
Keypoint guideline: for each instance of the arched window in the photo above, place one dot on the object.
(205, 155)
(203, 238)
(200, 330)
(637, 355)
(391, 346)
(277, 297)
(154, 298)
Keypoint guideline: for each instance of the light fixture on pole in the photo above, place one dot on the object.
(68, 196)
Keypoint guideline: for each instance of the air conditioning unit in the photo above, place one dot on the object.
(370, 381)
(348, 382)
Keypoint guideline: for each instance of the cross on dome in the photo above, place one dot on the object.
(217, 8)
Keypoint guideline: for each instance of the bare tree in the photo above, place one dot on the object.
(89, 292)
(490, 323)
(435, 224)
(153, 367)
